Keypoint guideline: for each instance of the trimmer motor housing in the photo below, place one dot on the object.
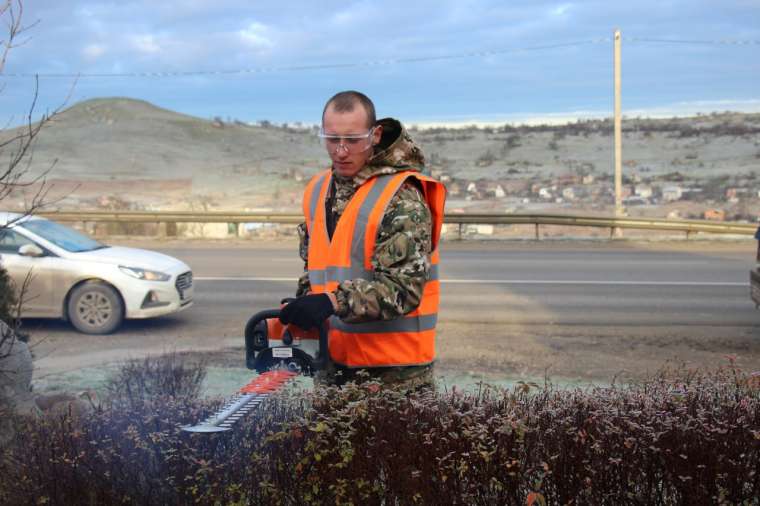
(271, 345)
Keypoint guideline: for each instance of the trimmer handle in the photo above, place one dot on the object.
(250, 346)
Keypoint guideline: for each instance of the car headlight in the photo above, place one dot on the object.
(147, 275)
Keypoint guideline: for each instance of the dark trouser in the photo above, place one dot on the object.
(408, 378)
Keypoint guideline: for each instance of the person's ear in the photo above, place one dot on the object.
(377, 133)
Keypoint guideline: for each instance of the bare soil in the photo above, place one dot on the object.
(597, 354)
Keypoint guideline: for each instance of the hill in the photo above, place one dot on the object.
(121, 152)
(121, 140)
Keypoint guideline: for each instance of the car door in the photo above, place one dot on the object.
(40, 297)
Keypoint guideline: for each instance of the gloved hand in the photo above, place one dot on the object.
(308, 311)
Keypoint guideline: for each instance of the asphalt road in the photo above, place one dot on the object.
(533, 283)
(665, 287)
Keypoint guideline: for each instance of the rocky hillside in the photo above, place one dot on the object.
(119, 152)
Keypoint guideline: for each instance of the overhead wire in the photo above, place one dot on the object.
(717, 42)
(296, 68)
(371, 63)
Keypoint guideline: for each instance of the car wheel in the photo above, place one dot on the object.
(95, 308)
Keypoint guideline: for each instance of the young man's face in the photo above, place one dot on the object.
(350, 153)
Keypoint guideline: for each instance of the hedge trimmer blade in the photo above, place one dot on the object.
(247, 399)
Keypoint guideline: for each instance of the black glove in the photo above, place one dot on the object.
(308, 311)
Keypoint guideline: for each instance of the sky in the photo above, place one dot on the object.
(425, 62)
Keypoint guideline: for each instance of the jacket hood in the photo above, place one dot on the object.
(396, 152)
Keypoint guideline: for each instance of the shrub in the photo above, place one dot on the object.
(682, 437)
(15, 357)
(486, 159)
(7, 297)
(685, 438)
(167, 375)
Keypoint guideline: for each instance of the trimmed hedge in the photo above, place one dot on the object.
(682, 437)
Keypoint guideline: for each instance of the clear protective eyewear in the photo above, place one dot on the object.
(351, 143)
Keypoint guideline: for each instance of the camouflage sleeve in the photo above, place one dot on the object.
(400, 261)
(304, 286)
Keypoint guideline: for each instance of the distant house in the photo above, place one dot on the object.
(672, 193)
(568, 179)
(516, 186)
(735, 193)
(588, 179)
(568, 193)
(643, 190)
(596, 191)
(545, 193)
(474, 191)
(494, 189)
(715, 214)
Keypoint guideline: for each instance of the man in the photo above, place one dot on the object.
(370, 247)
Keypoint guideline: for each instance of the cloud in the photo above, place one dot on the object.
(135, 36)
(560, 10)
(350, 16)
(90, 21)
(256, 36)
(145, 44)
(679, 109)
(94, 51)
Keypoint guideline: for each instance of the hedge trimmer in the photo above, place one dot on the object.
(278, 353)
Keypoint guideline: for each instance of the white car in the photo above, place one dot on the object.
(94, 286)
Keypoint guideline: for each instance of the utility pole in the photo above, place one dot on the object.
(619, 212)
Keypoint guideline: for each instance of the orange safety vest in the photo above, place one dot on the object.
(407, 340)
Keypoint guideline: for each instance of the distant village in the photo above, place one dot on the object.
(716, 198)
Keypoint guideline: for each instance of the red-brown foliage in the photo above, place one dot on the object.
(683, 437)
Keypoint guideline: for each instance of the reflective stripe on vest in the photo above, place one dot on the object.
(323, 276)
(403, 324)
(407, 340)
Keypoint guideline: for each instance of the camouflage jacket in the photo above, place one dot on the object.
(401, 257)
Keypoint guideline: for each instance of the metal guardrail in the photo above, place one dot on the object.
(170, 217)
(687, 226)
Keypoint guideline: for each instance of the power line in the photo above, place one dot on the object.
(376, 63)
(717, 42)
(299, 68)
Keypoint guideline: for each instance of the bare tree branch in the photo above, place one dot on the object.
(16, 150)
(15, 174)
(12, 12)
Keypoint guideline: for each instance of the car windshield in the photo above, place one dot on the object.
(62, 236)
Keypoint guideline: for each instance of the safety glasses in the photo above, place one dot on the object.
(351, 143)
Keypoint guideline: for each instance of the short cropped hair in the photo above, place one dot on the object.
(345, 101)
